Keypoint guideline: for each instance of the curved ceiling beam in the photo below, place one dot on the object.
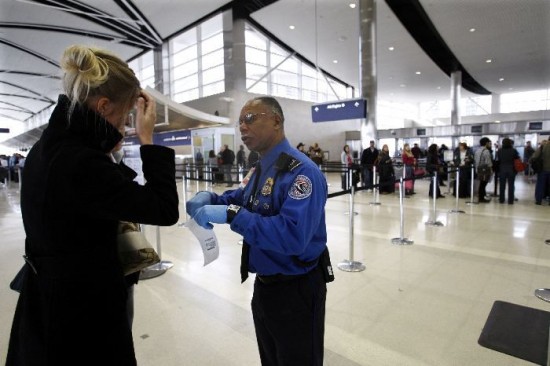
(21, 109)
(10, 117)
(77, 31)
(14, 110)
(415, 19)
(25, 97)
(27, 73)
(135, 13)
(131, 28)
(29, 51)
(42, 98)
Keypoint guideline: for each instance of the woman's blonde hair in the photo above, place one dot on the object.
(91, 72)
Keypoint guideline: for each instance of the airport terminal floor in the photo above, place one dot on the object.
(414, 305)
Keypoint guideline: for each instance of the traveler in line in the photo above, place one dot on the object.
(543, 177)
(434, 167)
(228, 158)
(507, 174)
(385, 171)
(368, 157)
(483, 168)
(409, 164)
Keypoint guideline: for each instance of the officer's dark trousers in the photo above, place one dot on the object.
(289, 317)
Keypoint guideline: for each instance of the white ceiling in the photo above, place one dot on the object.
(515, 34)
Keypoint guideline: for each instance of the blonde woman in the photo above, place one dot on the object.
(409, 162)
(72, 306)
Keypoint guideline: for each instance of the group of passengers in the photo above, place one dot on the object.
(489, 162)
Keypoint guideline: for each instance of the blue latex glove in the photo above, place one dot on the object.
(201, 199)
(209, 214)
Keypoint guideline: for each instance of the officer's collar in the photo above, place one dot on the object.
(269, 159)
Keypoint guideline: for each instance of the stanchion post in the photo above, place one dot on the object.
(457, 185)
(197, 175)
(208, 177)
(20, 176)
(401, 240)
(349, 265)
(184, 198)
(375, 187)
(349, 185)
(472, 179)
(433, 221)
(156, 269)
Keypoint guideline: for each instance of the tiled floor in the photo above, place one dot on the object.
(423, 304)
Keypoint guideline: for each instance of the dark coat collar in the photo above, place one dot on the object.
(84, 124)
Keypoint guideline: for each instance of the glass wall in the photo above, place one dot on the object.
(536, 100)
(272, 70)
(144, 67)
(196, 61)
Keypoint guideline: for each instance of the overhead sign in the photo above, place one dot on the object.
(4, 130)
(340, 110)
(173, 138)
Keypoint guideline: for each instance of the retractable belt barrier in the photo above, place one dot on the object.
(205, 173)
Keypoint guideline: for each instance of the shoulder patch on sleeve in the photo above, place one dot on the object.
(301, 188)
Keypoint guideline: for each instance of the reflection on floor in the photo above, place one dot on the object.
(420, 304)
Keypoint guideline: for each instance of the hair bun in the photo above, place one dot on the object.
(80, 62)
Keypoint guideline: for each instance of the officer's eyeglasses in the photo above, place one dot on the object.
(249, 118)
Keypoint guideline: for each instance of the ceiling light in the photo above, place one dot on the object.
(472, 30)
(402, 85)
(501, 79)
(438, 87)
(335, 61)
(391, 48)
(291, 26)
(488, 60)
(352, 5)
(497, 121)
(418, 73)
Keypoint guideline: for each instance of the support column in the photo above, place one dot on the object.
(495, 103)
(160, 68)
(456, 84)
(235, 52)
(367, 67)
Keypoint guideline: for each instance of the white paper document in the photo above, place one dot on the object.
(207, 239)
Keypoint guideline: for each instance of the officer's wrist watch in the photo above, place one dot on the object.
(232, 211)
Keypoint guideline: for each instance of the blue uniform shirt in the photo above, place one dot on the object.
(286, 220)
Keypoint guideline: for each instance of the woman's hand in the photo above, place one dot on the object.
(146, 117)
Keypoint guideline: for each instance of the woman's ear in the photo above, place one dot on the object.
(102, 106)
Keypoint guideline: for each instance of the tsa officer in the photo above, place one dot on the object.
(279, 209)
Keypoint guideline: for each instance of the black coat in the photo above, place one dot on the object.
(73, 311)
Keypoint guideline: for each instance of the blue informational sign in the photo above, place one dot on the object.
(4, 130)
(340, 110)
(173, 138)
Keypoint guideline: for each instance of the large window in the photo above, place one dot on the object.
(272, 70)
(196, 59)
(144, 67)
(536, 100)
